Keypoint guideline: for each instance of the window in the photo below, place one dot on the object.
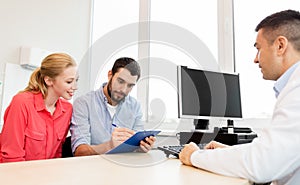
(180, 33)
(257, 94)
(110, 20)
(186, 19)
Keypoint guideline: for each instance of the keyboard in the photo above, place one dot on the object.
(174, 150)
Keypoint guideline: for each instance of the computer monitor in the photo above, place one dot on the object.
(205, 94)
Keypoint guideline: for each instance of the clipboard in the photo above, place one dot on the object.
(133, 143)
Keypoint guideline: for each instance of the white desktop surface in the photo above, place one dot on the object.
(115, 169)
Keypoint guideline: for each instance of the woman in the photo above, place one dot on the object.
(37, 120)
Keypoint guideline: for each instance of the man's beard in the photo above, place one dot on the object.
(112, 94)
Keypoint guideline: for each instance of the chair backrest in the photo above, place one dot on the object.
(66, 148)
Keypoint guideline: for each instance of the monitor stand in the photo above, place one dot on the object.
(201, 124)
(230, 129)
(229, 135)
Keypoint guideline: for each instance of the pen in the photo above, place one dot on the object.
(114, 125)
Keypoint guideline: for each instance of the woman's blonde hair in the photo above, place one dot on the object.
(52, 66)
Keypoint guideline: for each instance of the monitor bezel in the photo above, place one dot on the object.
(199, 117)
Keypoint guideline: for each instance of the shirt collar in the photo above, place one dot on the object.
(102, 95)
(40, 104)
(282, 81)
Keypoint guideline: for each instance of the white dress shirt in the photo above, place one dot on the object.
(275, 154)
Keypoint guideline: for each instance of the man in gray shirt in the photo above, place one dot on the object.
(105, 118)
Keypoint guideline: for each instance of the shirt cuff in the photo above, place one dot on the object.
(195, 156)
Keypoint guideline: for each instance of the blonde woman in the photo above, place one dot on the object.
(38, 118)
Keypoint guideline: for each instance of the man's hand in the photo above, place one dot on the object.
(119, 135)
(214, 145)
(147, 144)
(186, 152)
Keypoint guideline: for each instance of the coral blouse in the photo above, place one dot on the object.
(30, 132)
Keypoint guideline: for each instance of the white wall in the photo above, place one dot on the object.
(54, 25)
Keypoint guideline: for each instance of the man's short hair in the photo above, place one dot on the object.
(128, 63)
(284, 23)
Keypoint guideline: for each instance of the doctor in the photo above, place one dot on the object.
(274, 155)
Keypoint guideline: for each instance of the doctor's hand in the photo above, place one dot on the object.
(186, 152)
(146, 145)
(214, 145)
(119, 135)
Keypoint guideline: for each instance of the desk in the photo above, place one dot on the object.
(151, 168)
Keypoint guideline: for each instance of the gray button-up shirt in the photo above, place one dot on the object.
(91, 122)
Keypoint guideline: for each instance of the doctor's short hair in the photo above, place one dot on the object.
(128, 63)
(284, 23)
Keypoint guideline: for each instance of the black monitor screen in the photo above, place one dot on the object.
(204, 94)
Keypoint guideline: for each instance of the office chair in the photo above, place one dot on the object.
(66, 148)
